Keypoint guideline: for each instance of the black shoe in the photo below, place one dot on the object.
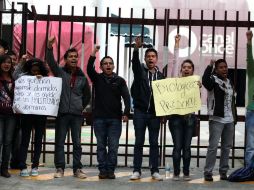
(5, 173)
(103, 175)
(223, 176)
(208, 177)
(111, 175)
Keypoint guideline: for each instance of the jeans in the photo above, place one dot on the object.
(249, 124)
(142, 120)
(7, 127)
(107, 132)
(28, 121)
(16, 142)
(181, 128)
(224, 132)
(63, 123)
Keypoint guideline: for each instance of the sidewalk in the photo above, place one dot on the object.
(46, 181)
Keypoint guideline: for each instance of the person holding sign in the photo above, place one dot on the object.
(249, 154)
(74, 98)
(7, 117)
(222, 116)
(32, 67)
(182, 126)
(144, 109)
(107, 113)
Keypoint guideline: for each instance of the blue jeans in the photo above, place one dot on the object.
(38, 122)
(142, 120)
(249, 124)
(107, 132)
(7, 127)
(217, 131)
(63, 123)
(181, 128)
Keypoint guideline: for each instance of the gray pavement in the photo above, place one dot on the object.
(45, 181)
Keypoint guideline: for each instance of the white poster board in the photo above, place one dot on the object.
(39, 96)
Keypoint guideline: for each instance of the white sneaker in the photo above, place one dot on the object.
(135, 176)
(24, 173)
(34, 172)
(186, 178)
(176, 178)
(157, 176)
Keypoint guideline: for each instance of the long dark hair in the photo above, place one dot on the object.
(35, 61)
(4, 58)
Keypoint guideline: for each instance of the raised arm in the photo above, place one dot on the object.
(207, 79)
(136, 65)
(90, 66)
(19, 69)
(250, 61)
(175, 67)
(50, 58)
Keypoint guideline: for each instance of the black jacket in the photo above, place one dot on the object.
(141, 91)
(108, 94)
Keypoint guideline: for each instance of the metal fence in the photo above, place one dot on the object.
(129, 27)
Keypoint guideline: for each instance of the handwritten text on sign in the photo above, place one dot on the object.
(176, 95)
(37, 96)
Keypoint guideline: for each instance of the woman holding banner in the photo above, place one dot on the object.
(32, 67)
(7, 117)
(182, 126)
(222, 116)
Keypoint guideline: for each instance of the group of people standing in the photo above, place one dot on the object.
(109, 91)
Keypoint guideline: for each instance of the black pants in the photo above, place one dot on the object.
(38, 122)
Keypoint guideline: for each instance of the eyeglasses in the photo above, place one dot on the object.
(107, 63)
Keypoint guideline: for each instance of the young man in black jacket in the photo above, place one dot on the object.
(107, 113)
(144, 110)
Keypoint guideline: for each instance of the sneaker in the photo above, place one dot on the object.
(59, 173)
(103, 175)
(5, 173)
(157, 176)
(111, 175)
(208, 177)
(34, 172)
(176, 178)
(24, 173)
(186, 178)
(80, 174)
(135, 176)
(223, 176)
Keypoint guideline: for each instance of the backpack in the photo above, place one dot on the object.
(242, 174)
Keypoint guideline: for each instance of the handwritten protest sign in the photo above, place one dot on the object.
(176, 95)
(37, 96)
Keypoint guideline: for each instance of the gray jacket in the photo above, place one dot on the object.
(73, 99)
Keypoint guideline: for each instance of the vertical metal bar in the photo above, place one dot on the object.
(201, 45)
(71, 34)
(225, 35)
(35, 31)
(12, 25)
(178, 19)
(24, 28)
(59, 34)
(106, 40)
(235, 80)
(131, 16)
(47, 31)
(163, 140)
(93, 95)
(118, 41)
(213, 33)
(190, 19)
(1, 24)
(84, 25)
(154, 26)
